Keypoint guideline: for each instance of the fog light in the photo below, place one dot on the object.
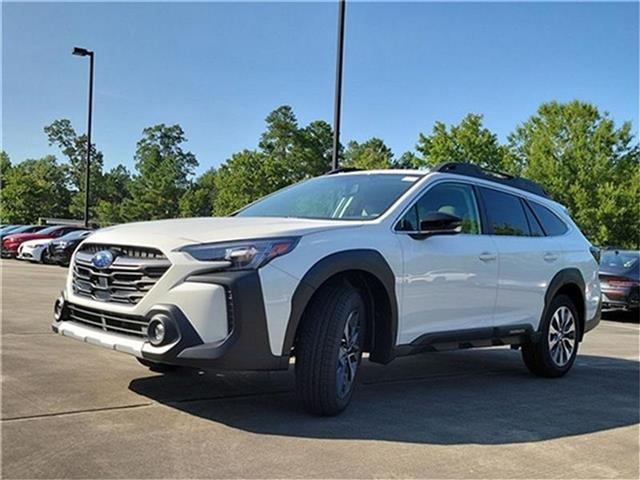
(161, 330)
(59, 309)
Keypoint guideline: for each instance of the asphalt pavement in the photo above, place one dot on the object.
(72, 410)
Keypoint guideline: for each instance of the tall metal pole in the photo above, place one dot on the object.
(87, 180)
(338, 93)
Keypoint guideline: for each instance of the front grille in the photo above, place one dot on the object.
(109, 321)
(127, 280)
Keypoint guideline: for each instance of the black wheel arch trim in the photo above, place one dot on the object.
(566, 277)
(366, 260)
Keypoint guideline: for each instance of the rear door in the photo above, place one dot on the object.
(528, 259)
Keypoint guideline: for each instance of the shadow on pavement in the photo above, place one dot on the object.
(631, 316)
(486, 398)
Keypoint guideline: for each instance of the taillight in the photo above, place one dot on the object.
(619, 282)
(596, 252)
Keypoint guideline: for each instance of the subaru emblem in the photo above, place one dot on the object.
(102, 259)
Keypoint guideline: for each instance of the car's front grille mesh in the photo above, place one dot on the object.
(127, 280)
(109, 321)
(125, 251)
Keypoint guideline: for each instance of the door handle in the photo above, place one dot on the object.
(550, 257)
(487, 256)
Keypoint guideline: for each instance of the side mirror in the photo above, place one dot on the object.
(438, 223)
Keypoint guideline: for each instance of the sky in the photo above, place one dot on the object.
(218, 69)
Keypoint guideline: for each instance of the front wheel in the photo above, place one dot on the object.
(553, 355)
(329, 348)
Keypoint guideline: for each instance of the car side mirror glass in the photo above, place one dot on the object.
(439, 223)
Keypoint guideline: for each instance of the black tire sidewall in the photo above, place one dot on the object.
(352, 301)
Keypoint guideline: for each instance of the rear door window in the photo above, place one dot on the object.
(505, 213)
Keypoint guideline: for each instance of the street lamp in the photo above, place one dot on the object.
(83, 52)
(338, 94)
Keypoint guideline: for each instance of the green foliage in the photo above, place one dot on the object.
(74, 147)
(576, 152)
(468, 142)
(286, 154)
(370, 155)
(163, 174)
(33, 188)
(199, 198)
(586, 163)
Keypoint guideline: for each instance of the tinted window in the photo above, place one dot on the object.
(348, 197)
(505, 213)
(550, 222)
(534, 225)
(452, 198)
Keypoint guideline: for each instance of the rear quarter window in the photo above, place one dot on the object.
(552, 225)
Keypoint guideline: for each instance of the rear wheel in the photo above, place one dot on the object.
(554, 354)
(329, 348)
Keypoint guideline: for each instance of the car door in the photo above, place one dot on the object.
(528, 259)
(449, 282)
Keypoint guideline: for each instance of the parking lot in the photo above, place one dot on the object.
(73, 410)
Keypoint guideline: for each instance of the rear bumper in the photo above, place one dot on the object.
(620, 299)
(593, 322)
(246, 347)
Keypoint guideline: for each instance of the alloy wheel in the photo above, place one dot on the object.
(562, 336)
(349, 354)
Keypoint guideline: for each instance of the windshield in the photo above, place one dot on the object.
(49, 230)
(620, 259)
(344, 197)
(75, 235)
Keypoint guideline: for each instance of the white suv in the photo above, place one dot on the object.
(390, 262)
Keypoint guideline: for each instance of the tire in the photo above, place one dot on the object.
(157, 367)
(44, 258)
(329, 347)
(554, 354)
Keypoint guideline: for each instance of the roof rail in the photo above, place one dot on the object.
(342, 170)
(471, 170)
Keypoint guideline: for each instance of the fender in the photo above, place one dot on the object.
(567, 276)
(369, 261)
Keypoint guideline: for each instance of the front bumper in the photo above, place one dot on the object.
(245, 346)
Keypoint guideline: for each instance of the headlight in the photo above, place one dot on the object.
(243, 255)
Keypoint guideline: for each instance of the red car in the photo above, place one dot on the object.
(10, 243)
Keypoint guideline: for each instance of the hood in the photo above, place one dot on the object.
(171, 234)
(23, 237)
(36, 242)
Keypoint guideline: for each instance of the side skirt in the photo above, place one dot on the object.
(471, 338)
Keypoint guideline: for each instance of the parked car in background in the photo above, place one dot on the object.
(15, 229)
(32, 250)
(60, 250)
(7, 228)
(620, 279)
(11, 242)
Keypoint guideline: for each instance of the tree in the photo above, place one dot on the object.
(370, 155)
(286, 154)
(467, 142)
(33, 189)
(5, 167)
(242, 179)
(115, 190)
(199, 199)
(163, 171)
(73, 146)
(586, 163)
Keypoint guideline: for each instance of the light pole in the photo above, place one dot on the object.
(83, 52)
(338, 94)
